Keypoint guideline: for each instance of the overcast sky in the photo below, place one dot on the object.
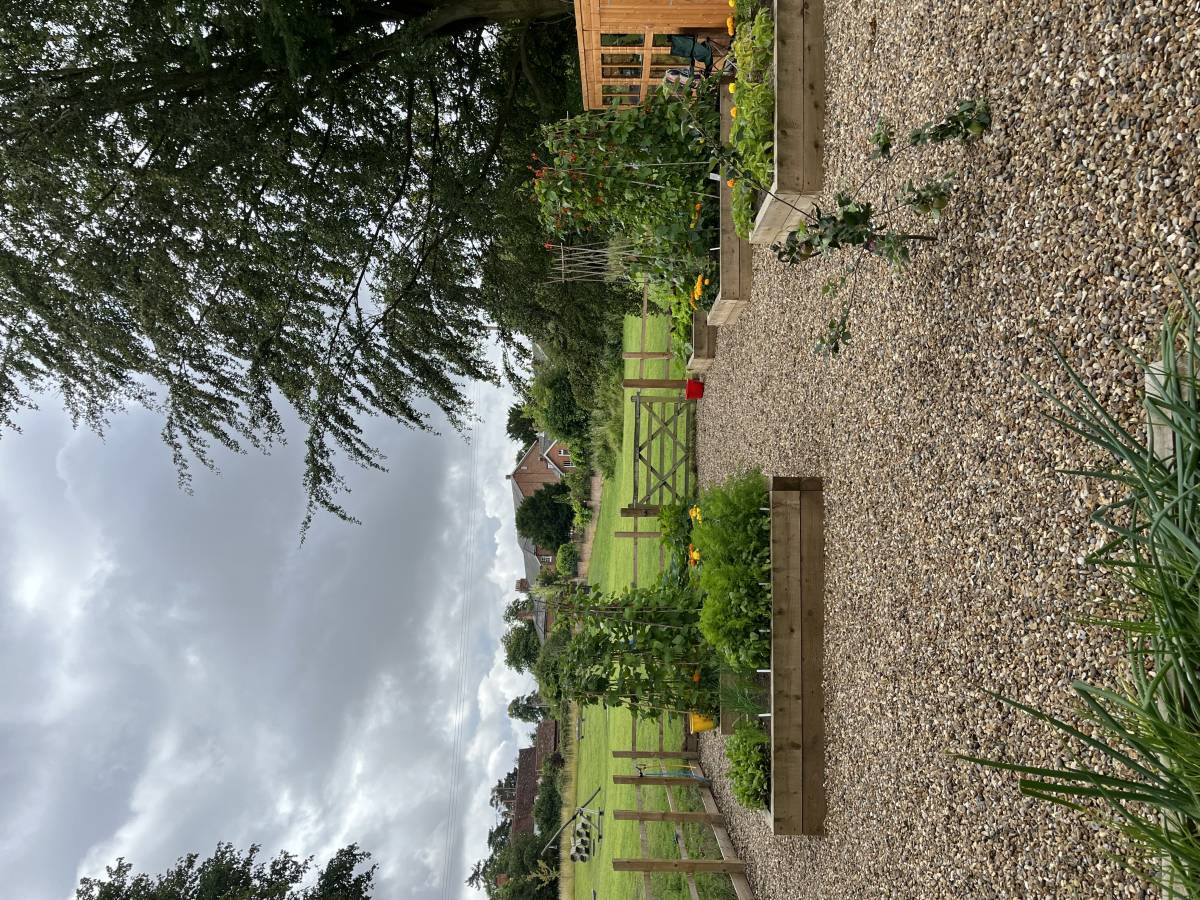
(176, 670)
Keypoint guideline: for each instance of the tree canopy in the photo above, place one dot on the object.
(520, 426)
(221, 210)
(527, 707)
(230, 873)
(545, 518)
(521, 646)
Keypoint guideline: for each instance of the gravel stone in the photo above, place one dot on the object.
(954, 550)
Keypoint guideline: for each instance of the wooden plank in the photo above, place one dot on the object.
(656, 779)
(677, 384)
(736, 260)
(797, 651)
(646, 354)
(812, 657)
(741, 886)
(799, 119)
(639, 512)
(679, 840)
(679, 865)
(657, 815)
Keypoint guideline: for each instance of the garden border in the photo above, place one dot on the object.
(735, 256)
(799, 149)
(704, 343)
(797, 804)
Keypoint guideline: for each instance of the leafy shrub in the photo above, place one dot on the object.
(675, 533)
(749, 753)
(608, 419)
(545, 517)
(553, 406)
(732, 535)
(752, 132)
(634, 172)
(547, 807)
(566, 559)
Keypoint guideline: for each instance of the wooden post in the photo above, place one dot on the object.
(655, 754)
(646, 354)
(635, 534)
(677, 384)
(639, 512)
(654, 815)
(726, 866)
(658, 779)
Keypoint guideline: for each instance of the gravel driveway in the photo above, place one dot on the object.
(954, 550)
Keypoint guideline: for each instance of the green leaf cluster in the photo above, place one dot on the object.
(749, 752)
(733, 538)
(752, 132)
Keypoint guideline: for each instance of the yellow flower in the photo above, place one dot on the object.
(730, 183)
(729, 24)
(733, 87)
(733, 112)
(733, 4)
(693, 555)
(695, 514)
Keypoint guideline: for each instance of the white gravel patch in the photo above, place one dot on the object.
(954, 550)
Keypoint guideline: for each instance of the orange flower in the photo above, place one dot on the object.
(733, 112)
(730, 183)
(696, 676)
(693, 555)
(729, 24)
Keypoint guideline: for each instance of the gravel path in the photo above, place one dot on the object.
(953, 549)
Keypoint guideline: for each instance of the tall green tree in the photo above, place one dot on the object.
(222, 209)
(521, 647)
(545, 518)
(230, 873)
(520, 426)
(527, 708)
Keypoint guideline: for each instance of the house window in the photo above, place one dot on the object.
(546, 560)
(524, 468)
(563, 451)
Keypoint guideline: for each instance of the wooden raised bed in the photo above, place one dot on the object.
(797, 656)
(799, 119)
(704, 343)
(736, 261)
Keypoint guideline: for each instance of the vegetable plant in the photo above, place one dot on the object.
(731, 543)
(752, 131)
(749, 752)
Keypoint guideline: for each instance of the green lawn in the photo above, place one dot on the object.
(605, 730)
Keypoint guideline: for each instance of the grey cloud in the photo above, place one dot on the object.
(192, 675)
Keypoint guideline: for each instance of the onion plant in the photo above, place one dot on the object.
(1141, 743)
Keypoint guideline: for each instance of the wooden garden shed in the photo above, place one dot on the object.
(625, 45)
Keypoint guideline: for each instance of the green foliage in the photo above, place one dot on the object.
(547, 807)
(967, 122)
(545, 518)
(1138, 749)
(607, 425)
(752, 131)
(553, 406)
(749, 753)
(520, 426)
(223, 211)
(640, 649)
(521, 647)
(675, 533)
(732, 536)
(229, 873)
(527, 707)
(929, 198)
(566, 559)
(631, 172)
(881, 140)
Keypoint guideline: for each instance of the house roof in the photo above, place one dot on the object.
(525, 792)
(528, 551)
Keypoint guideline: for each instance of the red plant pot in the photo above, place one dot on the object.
(694, 389)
